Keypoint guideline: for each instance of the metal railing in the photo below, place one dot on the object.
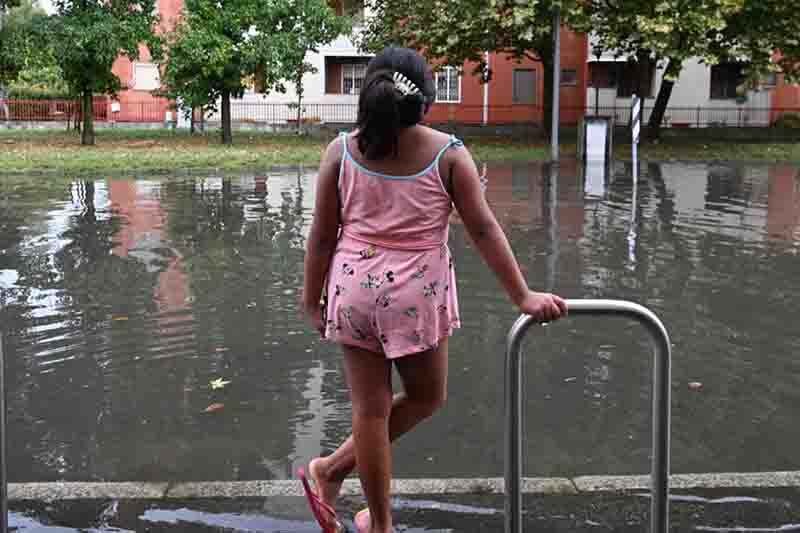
(659, 510)
(271, 114)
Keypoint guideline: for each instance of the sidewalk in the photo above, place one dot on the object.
(714, 510)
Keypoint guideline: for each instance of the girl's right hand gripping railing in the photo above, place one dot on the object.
(659, 512)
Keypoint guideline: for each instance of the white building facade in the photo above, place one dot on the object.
(702, 96)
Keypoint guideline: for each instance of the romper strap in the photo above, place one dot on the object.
(345, 153)
(453, 141)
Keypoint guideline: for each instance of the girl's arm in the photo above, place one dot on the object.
(470, 201)
(324, 231)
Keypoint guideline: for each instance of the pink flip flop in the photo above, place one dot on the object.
(324, 513)
(363, 521)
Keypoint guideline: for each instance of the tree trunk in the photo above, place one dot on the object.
(77, 117)
(87, 109)
(227, 135)
(299, 113)
(662, 100)
(191, 122)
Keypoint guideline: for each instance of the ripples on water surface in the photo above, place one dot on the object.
(123, 299)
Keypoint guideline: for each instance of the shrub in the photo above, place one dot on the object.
(788, 121)
(21, 91)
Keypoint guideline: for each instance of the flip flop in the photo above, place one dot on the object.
(363, 521)
(324, 513)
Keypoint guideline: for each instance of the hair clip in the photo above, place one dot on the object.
(404, 85)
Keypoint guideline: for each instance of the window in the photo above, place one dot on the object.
(602, 74)
(569, 76)
(448, 85)
(146, 77)
(345, 75)
(725, 78)
(353, 75)
(524, 86)
(348, 8)
(627, 79)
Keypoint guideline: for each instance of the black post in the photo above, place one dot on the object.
(3, 470)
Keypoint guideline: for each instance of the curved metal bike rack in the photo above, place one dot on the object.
(659, 512)
(3, 472)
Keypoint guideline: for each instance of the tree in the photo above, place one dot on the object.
(671, 31)
(23, 42)
(89, 35)
(456, 31)
(23, 45)
(220, 45)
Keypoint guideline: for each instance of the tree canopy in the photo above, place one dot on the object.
(767, 34)
(23, 42)
(220, 46)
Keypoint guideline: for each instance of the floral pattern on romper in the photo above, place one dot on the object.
(395, 302)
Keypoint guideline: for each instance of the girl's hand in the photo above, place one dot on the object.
(313, 314)
(543, 307)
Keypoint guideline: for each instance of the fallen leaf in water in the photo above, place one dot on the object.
(222, 349)
(218, 383)
(570, 380)
(695, 385)
(215, 407)
(120, 318)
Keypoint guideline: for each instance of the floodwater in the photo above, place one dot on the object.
(152, 333)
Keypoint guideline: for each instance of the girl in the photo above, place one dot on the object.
(377, 259)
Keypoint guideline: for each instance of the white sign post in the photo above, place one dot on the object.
(636, 129)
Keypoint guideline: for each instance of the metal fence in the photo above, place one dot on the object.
(266, 114)
(49, 110)
(702, 117)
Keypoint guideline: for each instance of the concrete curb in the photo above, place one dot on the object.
(56, 491)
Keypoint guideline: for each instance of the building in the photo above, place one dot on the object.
(331, 92)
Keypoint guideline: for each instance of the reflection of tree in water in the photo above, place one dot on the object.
(71, 355)
(22, 272)
(245, 278)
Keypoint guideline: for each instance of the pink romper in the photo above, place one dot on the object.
(391, 285)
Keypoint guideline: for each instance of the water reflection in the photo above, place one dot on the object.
(123, 299)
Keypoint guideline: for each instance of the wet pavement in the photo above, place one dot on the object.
(716, 511)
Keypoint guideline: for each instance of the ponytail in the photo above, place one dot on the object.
(388, 103)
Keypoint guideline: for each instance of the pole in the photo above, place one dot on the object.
(636, 128)
(659, 475)
(3, 469)
(556, 82)
(486, 90)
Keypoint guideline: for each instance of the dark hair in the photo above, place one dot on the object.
(383, 110)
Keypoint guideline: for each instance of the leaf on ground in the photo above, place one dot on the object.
(218, 383)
